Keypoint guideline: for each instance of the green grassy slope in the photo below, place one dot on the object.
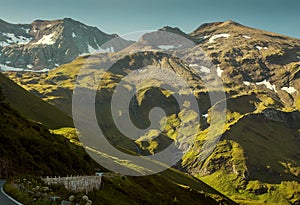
(32, 107)
(171, 179)
(29, 148)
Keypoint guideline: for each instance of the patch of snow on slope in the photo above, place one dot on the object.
(37, 71)
(214, 37)
(46, 39)
(29, 66)
(202, 68)
(98, 50)
(247, 37)
(205, 115)
(219, 71)
(12, 39)
(9, 68)
(168, 47)
(74, 35)
(259, 47)
(289, 90)
(267, 84)
(43, 70)
(246, 83)
(3, 43)
(26, 30)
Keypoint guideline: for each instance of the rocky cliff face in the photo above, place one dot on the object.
(44, 45)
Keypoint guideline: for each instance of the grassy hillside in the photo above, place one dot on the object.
(115, 189)
(32, 107)
(257, 159)
(171, 179)
(28, 147)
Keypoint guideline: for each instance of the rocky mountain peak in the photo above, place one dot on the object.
(61, 41)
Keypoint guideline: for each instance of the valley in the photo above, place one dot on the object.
(246, 145)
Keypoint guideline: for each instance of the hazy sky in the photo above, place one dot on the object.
(124, 16)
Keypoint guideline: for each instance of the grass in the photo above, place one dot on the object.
(29, 148)
(32, 107)
(253, 143)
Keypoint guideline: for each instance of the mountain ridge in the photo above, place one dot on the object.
(61, 40)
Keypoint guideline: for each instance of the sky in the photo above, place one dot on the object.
(126, 16)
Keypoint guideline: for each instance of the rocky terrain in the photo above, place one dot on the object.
(44, 45)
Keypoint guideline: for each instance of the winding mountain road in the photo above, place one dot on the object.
(4, 198)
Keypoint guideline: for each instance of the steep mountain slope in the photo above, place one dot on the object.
(251, 58)
(28, 148)
(44, 45)
(257, 158)
(32, 107)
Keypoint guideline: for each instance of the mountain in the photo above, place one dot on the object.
(28, 148)
(256, 159)
(253, 58)
(44, 45)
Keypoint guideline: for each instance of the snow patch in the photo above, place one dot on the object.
(298, 57)
(246, 83)
(91, 50)
(12, 39)
(56, 64)
(49, 25)
(9, 68)
(202, 68)
(3, 43)
(168, 47)
(267, 84)
(46, 39)
(42, 71)
(214, 37)
(259, 47)
(29, 66)
(219, 71)
(289, 90)
(26, 30)
(74, 35)
(205, 115)
(37, 71)
(247, 37)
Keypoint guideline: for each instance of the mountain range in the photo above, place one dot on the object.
(256, 160)
(44, 45)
